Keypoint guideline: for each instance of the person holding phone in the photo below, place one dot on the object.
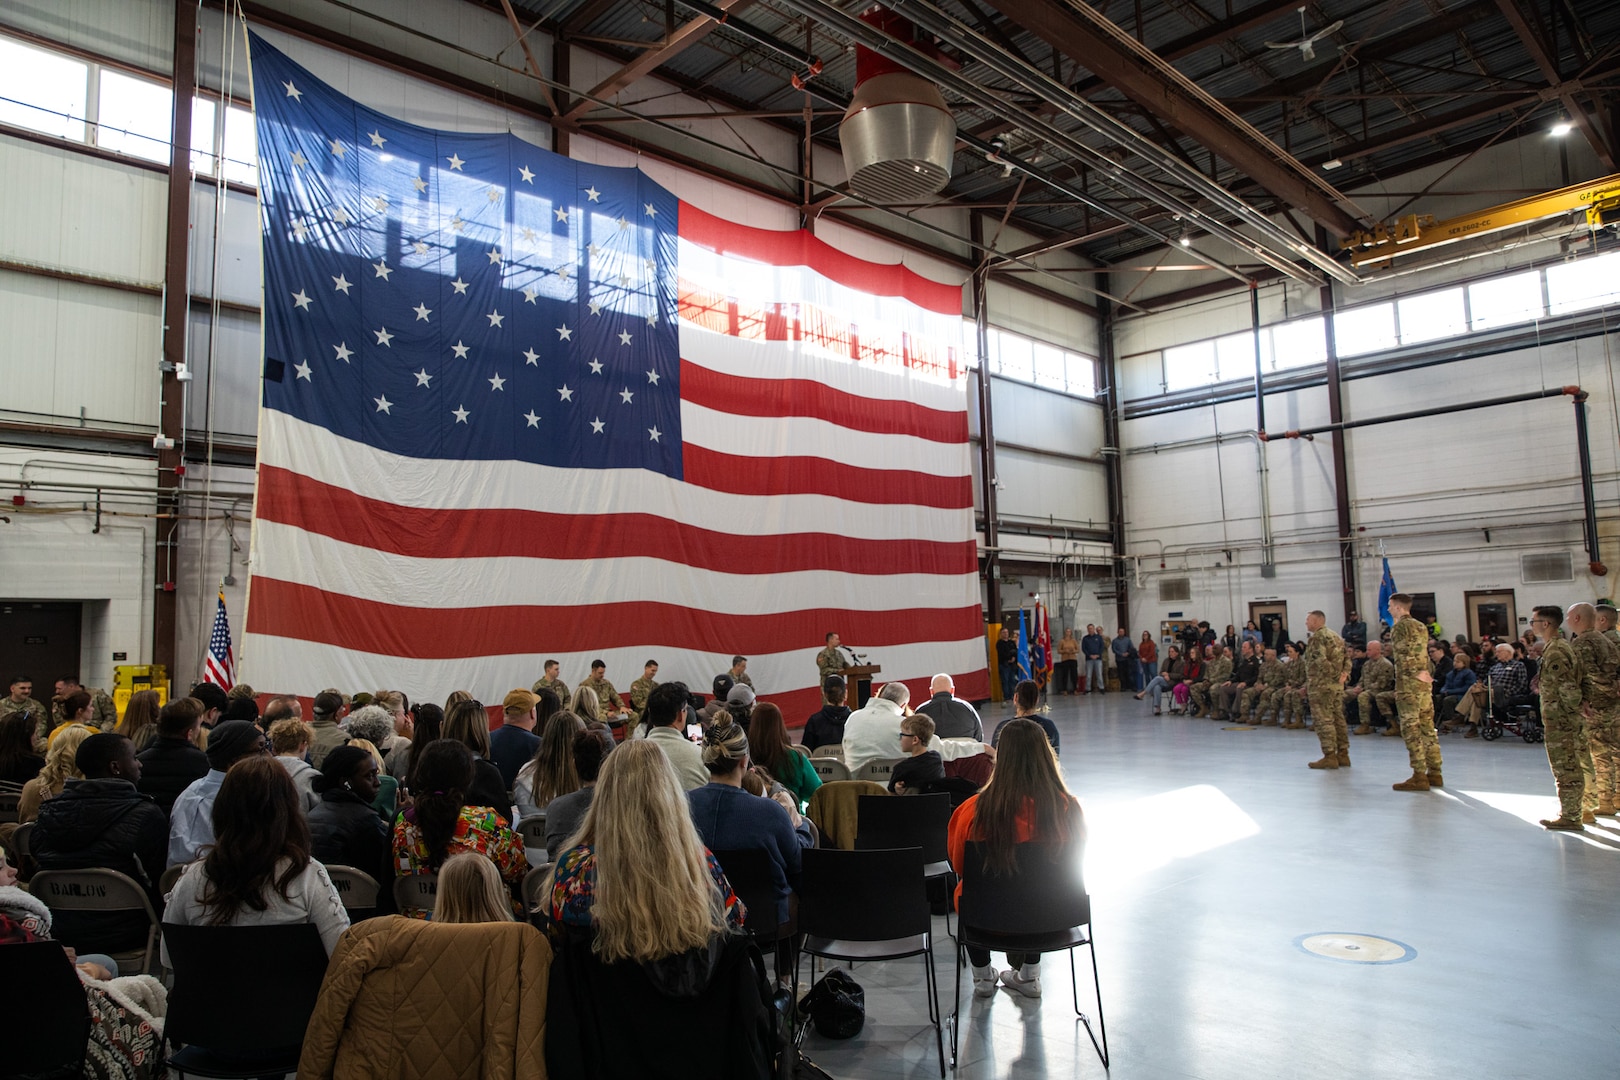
(666, 719)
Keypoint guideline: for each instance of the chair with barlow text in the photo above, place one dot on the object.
(357, 889)
(415, 892)
(879, 771)
(1042, 907)
(869, 906)
(101, 892)
(830, 768)
(533, 830)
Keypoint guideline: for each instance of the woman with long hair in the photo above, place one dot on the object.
(585, 704)
(1166, 679)
(470, 890)
(429, 725)
(551, 772)
(468, 724)
(60, 767)
(1192, 669)
(769, 746)
(1025, 801)
(444, 821)
(139, 724)
(636, 872)
(18, 762)
(258, 871)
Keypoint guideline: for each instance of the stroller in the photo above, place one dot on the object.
(1519, 716)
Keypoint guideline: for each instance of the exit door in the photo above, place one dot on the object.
(1267, 615)
(1492, 613)
(40, 639)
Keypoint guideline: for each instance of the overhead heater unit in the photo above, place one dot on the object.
(898, 136)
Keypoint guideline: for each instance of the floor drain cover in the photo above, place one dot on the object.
(1356, 948)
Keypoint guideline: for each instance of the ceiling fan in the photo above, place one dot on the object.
(1307, 42)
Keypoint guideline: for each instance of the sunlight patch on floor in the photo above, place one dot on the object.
(1130, 839)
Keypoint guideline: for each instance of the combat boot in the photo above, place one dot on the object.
(1562, 825)
(1588, 818)
(1324, 762)
(1418, 782)
(1605, 808)
(1270, 721)
(1436, 779)
(1344, 759)
(1391, 730)
(1364, 729)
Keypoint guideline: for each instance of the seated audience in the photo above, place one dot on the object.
(873, 733)
(61, 765)
(513, 743)
(550, 773)
(586, 704)
(172, 762)
(387, 801)
(241, 708)
(728, 818)
(1507, 681)
(665, 895)
(191, 823)
(402, 727)
(78, 709)
(717, 701)
(826, 726)
(290, 741)
(666, 719)
(1027, 699)
(103, 822)
(470, 890)
(953, 718)
(139, 724)
(259, 872)
(565, 813)
(1164, 680)
(443, 821)
(468, 724)
(740, 704)
(324, 713)
(920, 765)
(429, 725)
(1458, 681)
(1025, 801)
(214, 702)
(344, 830)
(18, 761)
(769, 746)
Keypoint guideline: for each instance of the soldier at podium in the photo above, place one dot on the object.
(829, 661)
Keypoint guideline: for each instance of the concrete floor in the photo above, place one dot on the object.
(1212, 851)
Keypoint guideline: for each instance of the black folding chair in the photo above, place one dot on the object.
(57, 1032)
(882, 821)
(222, 1039)
(752, 878)
(1041, 908)
(868, 905)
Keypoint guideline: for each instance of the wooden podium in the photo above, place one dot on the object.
(860, 676)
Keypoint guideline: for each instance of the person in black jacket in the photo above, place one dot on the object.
(103, 822)
(173, 763)
(826, 728)
(343, 828)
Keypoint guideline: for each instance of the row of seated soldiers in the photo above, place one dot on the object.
(1264, 688)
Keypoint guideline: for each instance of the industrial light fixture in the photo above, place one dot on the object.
(1185, 240)
(1330, 165)
(1561, 127)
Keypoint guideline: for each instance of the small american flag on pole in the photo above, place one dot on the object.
(220, 668)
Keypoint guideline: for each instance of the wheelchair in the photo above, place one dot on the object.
(1521, 716)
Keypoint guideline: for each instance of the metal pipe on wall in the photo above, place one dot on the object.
(1419, 414)
(987, 434)
(1588, 500)
(1260, 444)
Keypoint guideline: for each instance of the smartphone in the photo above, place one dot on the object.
(694, 732)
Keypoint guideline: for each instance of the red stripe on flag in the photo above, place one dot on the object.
(797, 247)
(818, 476)
(305, 613)
(291, 499)
(804, 398)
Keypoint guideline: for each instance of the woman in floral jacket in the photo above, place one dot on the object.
(441, 824)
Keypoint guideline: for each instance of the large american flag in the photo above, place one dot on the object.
(519, 407)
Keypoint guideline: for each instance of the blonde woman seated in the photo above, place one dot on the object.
(636, 873)
(61, 765)
(470, 890)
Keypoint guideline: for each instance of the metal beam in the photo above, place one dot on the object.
(1547, 60)
(534, 65)
(1341, 467)
(1201, 119)
(684, 37)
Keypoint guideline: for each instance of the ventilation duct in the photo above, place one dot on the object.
(898, 137)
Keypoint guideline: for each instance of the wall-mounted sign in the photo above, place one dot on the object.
(34, 639)
(120, 656)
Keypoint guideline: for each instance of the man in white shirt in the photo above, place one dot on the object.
(666, 717)
(873, 733)
(191, 822)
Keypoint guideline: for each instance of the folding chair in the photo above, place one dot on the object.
(835, 750)
(287, 964)
(868, 905)
(104, 892)
(58, 1018)
(829, 768)
(533, 831)
(752, 877)
(800, 748)
(878, 771)
(1041, 908)
(415, 892)
(8, 806)
(357, 889)
(19, 847)
(170, 876)
(533, 882)
(920, 821)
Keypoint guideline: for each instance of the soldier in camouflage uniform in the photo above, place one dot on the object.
(1377, 687)
(1258, 698)
(830, 661)
(612, 703)
(1414, 696)
(1327, 668)
(1607, 617)
(105, 712)
(739, 672)
(1289, 704)
(22, 700)
(1217, 670)
(551, 682)
(1560, 680)
(640, 689)
(1600, 708)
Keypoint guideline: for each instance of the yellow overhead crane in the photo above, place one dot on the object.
(1417, 232)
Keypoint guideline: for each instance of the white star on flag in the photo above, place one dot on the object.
(562, 215)
(653, 433)
(494, 194)
(384, 337)
(382, 268)
(626, 395)
(523, 171)
(380, 204)
(420, 247)
(294, 93)
(534, 421)
(624, 337)
(423, 378)
(495, 318)
(652, 211)
(341, 215)
(298, 159)
(300, 229)
(652, 320)
(383, 405)
(563, 271)
(456, 224)
(460, 350)
(343, 351)
(460, 287)
(596, 307)
(592, 194)
(495, 256)
(460, 413)
(422, 312)
(419, 184)
(652, 377)
(301, 300)
(529, 294)
(623, 224)
(597, 426)
(496, 382)
(455, 162)
(563, 333)
(565, 393)
(596, 367)
(531, 357)
(376, 138)
(341, 284)
(303, 370)
(338, 148)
